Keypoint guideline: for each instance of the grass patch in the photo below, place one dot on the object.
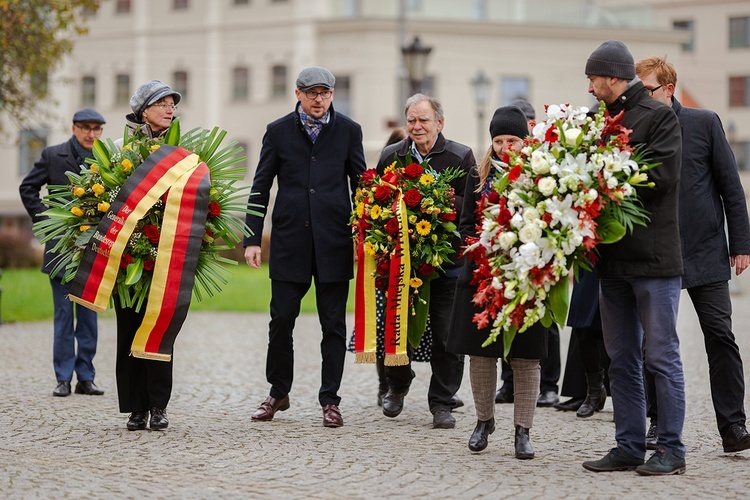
(27, 295)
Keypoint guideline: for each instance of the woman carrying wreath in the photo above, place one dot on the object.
(143, 385)
(507, 128)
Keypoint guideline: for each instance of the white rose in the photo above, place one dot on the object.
(529, 233)
(531, 215)
(572, 135)
(507, 239)
(547, 186)
(539, 163)
(516, 220)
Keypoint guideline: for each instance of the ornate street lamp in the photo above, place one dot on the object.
(481, 86)
(415, 60)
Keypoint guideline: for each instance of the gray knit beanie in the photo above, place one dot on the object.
(149, 93)
(612, 59)
(509, 120)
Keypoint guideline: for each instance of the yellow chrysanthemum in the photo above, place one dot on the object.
(423, 227)
(77, 211)
(127, 165)
(360, 210)
(154, 147)
(79, 191)
(95, 168)
(415, 282)
(390, 167)
(103, 206)
(84, 228)
(375, 211)
(369, 248)
(426, 179)
(97, 189)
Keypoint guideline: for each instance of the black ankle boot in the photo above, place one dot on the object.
(596, 395)
(524, 451)
(478, 439)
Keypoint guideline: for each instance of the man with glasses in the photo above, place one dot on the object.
(425, 141)
(710, 191)
(316, 157)
(72, 323)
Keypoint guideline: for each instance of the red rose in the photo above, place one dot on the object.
(392, 225)
(126, 260)
(364, 224)
(391, 178)
(383, 193)
(426, 269)
(383, 267)
(368, 175)
(214, 209)
(412, 197)
(413, 171)
(448, 216)
(148, 265)
(152, 233)
(493, 197)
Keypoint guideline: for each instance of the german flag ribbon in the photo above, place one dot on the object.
(365, 314)
(187, 181)
(397, 301)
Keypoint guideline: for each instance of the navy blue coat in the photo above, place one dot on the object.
(313, 201)
(48, 170)
(710, 188)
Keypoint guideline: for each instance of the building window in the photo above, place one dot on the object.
(741, 154)
(514, 87)
(122, 89)
(122, 7)
(30, 149)
(278, 81)
(342, 96)
(739, 91)
(739, 32)
(240, 83)
(687, 25)
(88, 91)
(180, 4)
(180, 79)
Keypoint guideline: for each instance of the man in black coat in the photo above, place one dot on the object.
(424, 123)
(710, 190)
(72, 322)
(316, 157)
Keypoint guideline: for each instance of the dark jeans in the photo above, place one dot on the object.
(285, 306)
(550, 364)
(713, 305)
(447, 368)
(72, 322)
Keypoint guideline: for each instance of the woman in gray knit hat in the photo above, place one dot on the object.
(154, 104)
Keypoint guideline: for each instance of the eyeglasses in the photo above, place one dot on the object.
(424, 119)
(87, 130)
(312, 95)
(651, 91)
(164, 105)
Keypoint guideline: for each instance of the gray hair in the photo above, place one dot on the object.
(417, 98)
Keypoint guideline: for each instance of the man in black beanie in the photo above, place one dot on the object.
(640, 278)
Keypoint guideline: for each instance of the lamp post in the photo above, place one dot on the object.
(481, 86)
(415, 60)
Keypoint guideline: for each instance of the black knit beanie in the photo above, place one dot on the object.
(612, 59)
(509, 120)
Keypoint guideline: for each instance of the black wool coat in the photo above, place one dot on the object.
(710, 188)
(310, 220)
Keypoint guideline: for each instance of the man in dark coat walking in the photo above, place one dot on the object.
(316, 157)
(72, 323)
(710, 189)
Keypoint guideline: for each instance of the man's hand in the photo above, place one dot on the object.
(739, 262)
(252, 256)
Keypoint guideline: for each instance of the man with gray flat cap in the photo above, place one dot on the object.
(72, 322)
(316, 157)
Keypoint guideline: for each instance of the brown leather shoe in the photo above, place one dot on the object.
(269, 407)
(332, 416)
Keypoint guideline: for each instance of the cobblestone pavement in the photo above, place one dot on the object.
(78, 446)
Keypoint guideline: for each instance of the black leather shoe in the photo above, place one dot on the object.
(393, 402)
(524, 451)
(62, 389)
(158, 419)
(478, 440)
(570, 405)
(615, 460)
(137, 421)
(442, 419)
(455, 402)
(736, 438)
(504, 394)
(547, 398)
(652, 436)
(88, 387)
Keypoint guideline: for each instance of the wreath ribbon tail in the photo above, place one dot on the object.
(397, 303)
(365, 314)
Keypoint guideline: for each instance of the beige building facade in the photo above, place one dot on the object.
(235, 61)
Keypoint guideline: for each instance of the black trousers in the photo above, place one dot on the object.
(713, 305)
(142, 384)
(550, 364)
(447, 367)
(586, 353)
(285, 306)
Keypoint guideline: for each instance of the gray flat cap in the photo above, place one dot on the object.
(88, 115)
(315, 76)
(149, 93)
